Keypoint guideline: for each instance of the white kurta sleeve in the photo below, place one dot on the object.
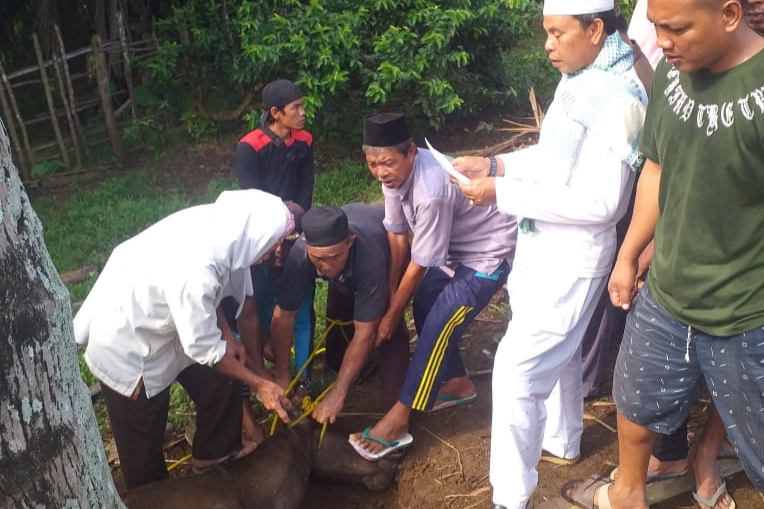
(192, 305)
(588, 193)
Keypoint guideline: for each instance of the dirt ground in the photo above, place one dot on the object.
(447, 465)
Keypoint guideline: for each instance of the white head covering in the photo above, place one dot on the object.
(249, 223)
(229, 236)
(576, 7)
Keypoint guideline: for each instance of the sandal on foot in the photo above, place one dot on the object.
(548, 457)
(389, 447)
(443, 401)
(581, 492)
(720, 492)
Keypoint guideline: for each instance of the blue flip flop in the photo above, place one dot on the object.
(444, 401)
(396, 445)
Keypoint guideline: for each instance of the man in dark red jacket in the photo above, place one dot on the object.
(277, 157)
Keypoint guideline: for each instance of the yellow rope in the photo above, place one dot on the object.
(317, 350)
(179, 462)
(308, 405)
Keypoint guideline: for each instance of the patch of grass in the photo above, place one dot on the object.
(85, 228)
(347, 182)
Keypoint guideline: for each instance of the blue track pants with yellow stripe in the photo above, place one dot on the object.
(443, 307)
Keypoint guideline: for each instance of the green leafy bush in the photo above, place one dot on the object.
(198, 127)
(431, 58)
(47, 167)
(144, 132)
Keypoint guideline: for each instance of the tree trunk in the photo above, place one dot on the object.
(51, 454)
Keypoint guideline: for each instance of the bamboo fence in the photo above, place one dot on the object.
(66, 103)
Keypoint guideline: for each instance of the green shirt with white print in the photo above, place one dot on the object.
(706, 131)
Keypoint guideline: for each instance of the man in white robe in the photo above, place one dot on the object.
(570, 191)
(152, 318)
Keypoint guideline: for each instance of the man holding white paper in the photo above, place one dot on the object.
(570, 191)
(460, 257)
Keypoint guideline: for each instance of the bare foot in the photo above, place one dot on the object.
(247, 447)
(707, 479)
(660, 470)
(461, 387)
(391, 427)
(657, 467)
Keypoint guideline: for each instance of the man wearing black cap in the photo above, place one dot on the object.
(348, 247)
(460, 258)
(277, 157)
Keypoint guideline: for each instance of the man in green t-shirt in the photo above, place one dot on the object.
(701, 314)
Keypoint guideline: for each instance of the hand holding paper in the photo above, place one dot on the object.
(446, 164)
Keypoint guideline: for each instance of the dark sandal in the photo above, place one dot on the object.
(581, 492)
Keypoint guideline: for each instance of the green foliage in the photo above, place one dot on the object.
(431, 58)
(144, 132)
(531, 68)
(627, 7)
(198, 127)
(87, 376)
(47, 167)
(181, 410)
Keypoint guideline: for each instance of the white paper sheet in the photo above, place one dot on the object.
(446, 164)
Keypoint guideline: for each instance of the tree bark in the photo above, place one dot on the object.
(51, 454)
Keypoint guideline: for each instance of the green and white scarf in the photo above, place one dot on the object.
(603, 88)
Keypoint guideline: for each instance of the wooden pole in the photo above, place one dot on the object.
(51, 106)
(24, 135)
(25, 170)
(126, 59)
(103, 89)
(67, 109)
(70, 89)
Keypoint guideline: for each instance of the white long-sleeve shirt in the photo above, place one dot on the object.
(574, 208)
(642, 32)
(152, 311)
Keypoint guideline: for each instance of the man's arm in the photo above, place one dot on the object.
(352, 363)
(623, 281)
(192, 305)
(282, 332)
(248, 167)
(408, 285)
(399, 254)
(248, 323)
(271, 395)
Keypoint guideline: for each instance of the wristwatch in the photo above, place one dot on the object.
(492, 171)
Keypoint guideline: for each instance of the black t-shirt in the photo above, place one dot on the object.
(284, 169)
(365, 277)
